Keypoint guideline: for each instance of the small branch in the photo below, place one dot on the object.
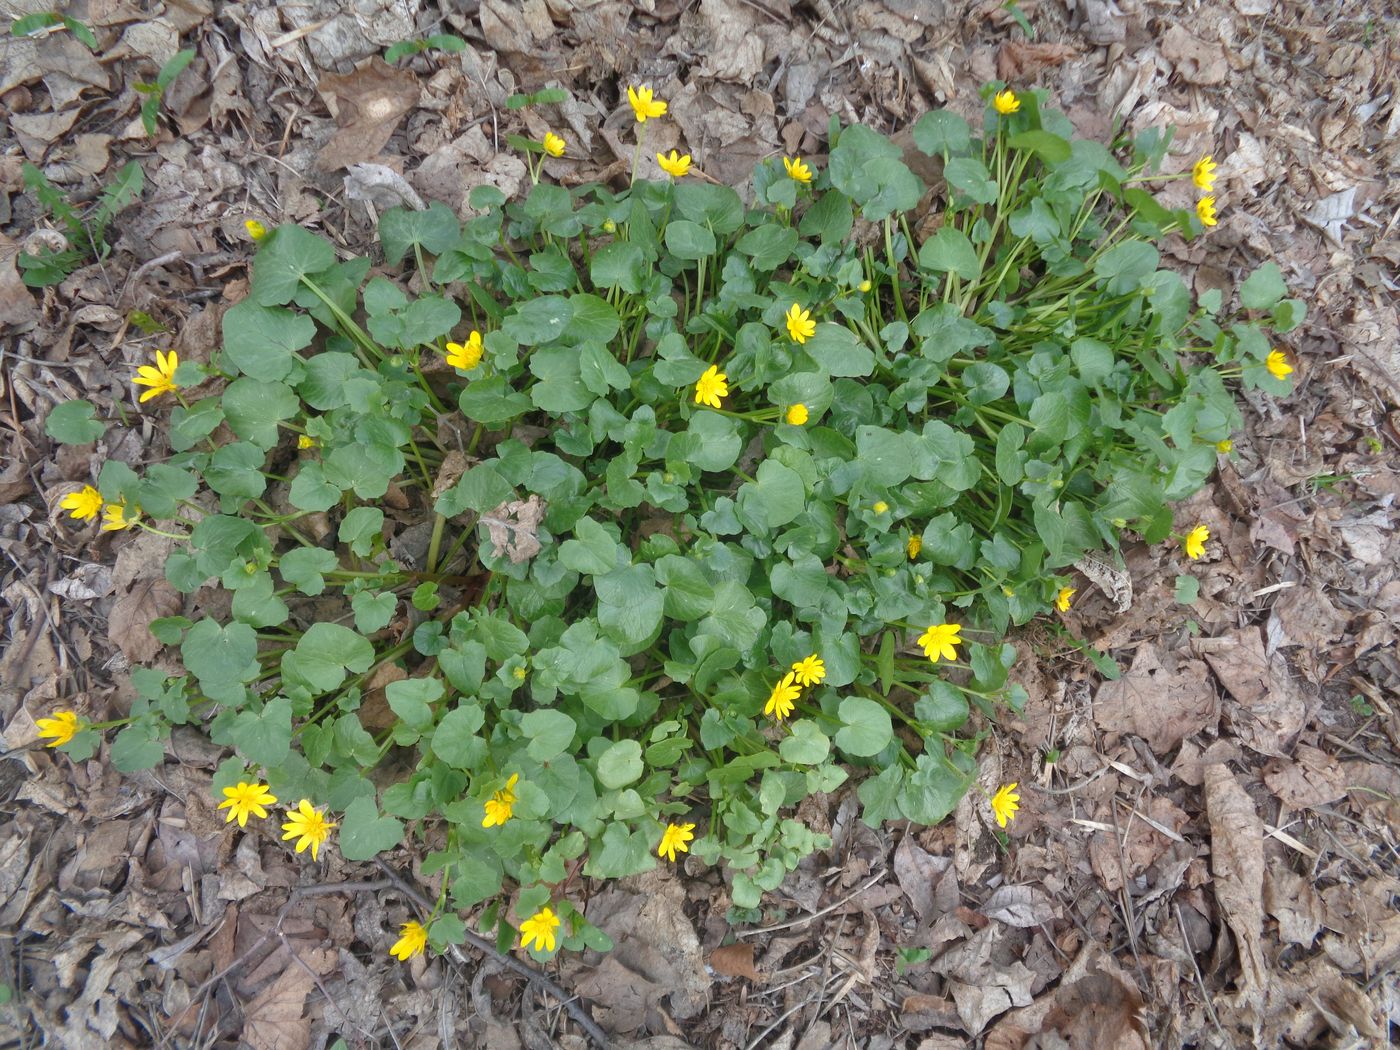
(518, 966)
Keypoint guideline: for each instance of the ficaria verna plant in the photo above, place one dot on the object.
(603, 528)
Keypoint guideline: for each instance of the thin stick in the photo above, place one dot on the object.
(570, 1002)
(1191, 954)
(815, 915)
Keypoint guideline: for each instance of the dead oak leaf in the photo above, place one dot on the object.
(129, 625)
(514, 528)
(1237, 863)
(368, 103)
(1312, 778)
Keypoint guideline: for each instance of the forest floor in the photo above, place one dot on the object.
(1206, 853)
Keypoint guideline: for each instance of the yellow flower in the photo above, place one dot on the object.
(914, 546)
(116, 518)
(800, 325)
(308, 825)
(880, 506)
(553, 144)
(499, 805)
(1205, 211)
(305, 441)
(780, 700)
(865, 286)
(1004, 804)
(1006, 102)
(61, 727)
(412, 940)
(797, 171)
(809, 670)
(674, 839)
(1195, 542)
(796, 415)
(161, 378)
(1224, 447)
(644, 106)
(711, 386)
(465, 356)
(256, 230)
(609, 226)
(520, 674)
(675, 166)
(1203, 173)
(938, 641)
(244, 799)
(539, 928)
(1062, 599)
(83, 504)
(1278, 365)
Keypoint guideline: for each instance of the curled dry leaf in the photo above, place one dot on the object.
(735, 960)
(1021, 906)
(514, 528)
(1237, 862)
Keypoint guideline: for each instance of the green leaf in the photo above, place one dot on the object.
(285, 257)
(1093, 359)
(454, 739)
(373, 611)
(941, 132)
(303, 567)
(1263, 288)
(492, 402)
(593, 551)
(480, 489)
(884, 455)
(774, 498)
(768, 246)
(264, 737)
(620, 764)
(802, 583)
(943, 710)
(618, 265)
(310, 491)
(866, 727)
(364, 833)
(714, 206)
(400, 229)
(629, 606)
(839, 352)
(538, 321)
(409, 698)
(325, 654)
(262, 341)
(253, 409)
(936, 787)
(550, 733)
(688, 240)
(971, 177)
(137, 747)
(1188, 589)
(879, 796)
(1051, 148)
(190, 426)
(71, 423)
(806, 745)
(711, 442)
(949, 251)
(1125, 266)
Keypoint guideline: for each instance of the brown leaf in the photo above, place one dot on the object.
(1095, 1007)
(1267, 709)
(273, 1020)
(1237, 862)
(514, 526)
(129, 626)
(1196, 61)
(918, 873)
(368, 104)
(1020, 60)
(1291, 899)
(17, 304)
(981, 983)
(1161, 706)
(735, 960)
(1022, 906)
(1313, 778)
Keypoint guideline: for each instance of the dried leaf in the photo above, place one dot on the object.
(1196, 61)
(129, 624)
(918, 873)
(1268, 710)
(274, 1021)
(514, 528)
(735, 960)
(1237, 862)
(1021, 906)
(1312, 778)
(368, 103)
(1163, 707)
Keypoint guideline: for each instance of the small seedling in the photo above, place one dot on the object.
(441, 41)
(156, 92)
(32, 25)
(86, 233)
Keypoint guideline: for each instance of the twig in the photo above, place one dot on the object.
(815, 915)
(481, 944)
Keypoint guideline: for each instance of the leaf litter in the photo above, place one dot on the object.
(1233, 793)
